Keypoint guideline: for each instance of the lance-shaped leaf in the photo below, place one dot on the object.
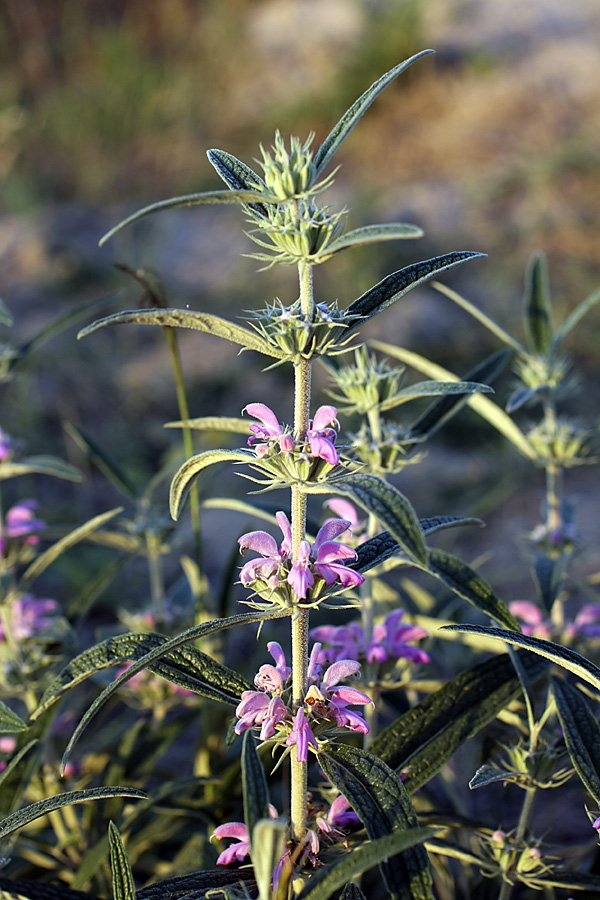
(394, 286)
(537, 306)
(570, 881)
(29, 813)
(214, 423)
(372, 234)
(381, 801)
(38, 890)
(383, 500)
(96, 455)
(40, 465)
(185, 666)
(434, 389)
(327, 880)
(268, 842)
(254, 785)
(10, 722)
(189, 471)
(439, 412)
(562, 656)
(45, 559)
(465, 582)
(581, 732)
(195, 883)
(345, 125)
(238, 176)
(423, 739)
(191, 634)
(572, 320)
(478, 314)
(485, 407)
(207, 198)
(188, 318)
(352, 892)
(549, 574)
(122, 878)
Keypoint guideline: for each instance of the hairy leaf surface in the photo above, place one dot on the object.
(238, 176)
(40, 465)
(122, 879)
(371, 234)
(10, 722)
(184, 477)
(581, 732)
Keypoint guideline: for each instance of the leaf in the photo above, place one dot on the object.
(383, 500)
(6, 317)
(188, 318)
(485, 407)
(394, 286)
(474, 311)
(10, 722)
(191, 634)
(422, 740)
(29, 813)
(15, 761)
(549, 574)
(380, 800)
(465, 582)
(214, 423)
(269, 838)
(36, 890)
(186, 667)
(488, 774)
(522, 396)
(352, 115)
(441, 523)
(122, 879)
(208, 198)
(371, 234)
(434, 389)
(189, 471)
(96, 455)
(194, 883)
(238, 176)
(328, 879)
(562, 656)
(537, 306)
(352, 892)
(40, 465)
(441, 410)
(581, 732)
(45, 559)
(255, 790)
(578, 881)
(572, 320)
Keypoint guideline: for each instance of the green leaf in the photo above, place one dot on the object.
(269, 837)
(441, 523)
(97, 456)
(40, 465)
(238, 176)
(581, 732)
(10, 722)
(394, 286)
(6, 317)
(122, 879)
(578, 881)
(191, 634)
(465, 582)
(522, 396)
(423, 739)
(208, 198)
(255, 790)
(549, 574)
(441, 410)
(325, 881)
(383, 500)
(371, 234)
(562, 656)
(29, 813)
(214, 423)
(345, 125)
(36, 890)
(187, 318)
(45, 559)
(193, 884)
(15, 762)
(537, 306)
(189, 471)
(381, 801)
(485, 407)
(185, 666)
(474, 311)
(577, 314)
(352, 892)
(434, 389)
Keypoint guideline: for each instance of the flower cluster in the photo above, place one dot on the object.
(28, 616)
(316, 565)
(20, 524)
(585, 625)
(389, 641)
(324, 706)
(273, 437)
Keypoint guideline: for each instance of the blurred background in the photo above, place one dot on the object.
(493, 144)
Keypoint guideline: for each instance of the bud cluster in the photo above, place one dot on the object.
(287, 328)
(367, 385)
(387, 453)
(301, 230)
(563, 443)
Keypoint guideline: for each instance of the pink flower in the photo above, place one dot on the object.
(301, 735)
(272, 555)
(532, 616)
(20, 522)
(339, 816)
(270, 431)
(586, 623)
(390, 640)
(6, 445)
(29, 616)
(272, 678)
(321, 434)
(238, 851)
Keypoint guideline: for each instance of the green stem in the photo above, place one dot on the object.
(300, 622)
(188, 443)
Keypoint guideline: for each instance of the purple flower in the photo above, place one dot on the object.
(327, 554)
(272, 555)
(20, 522)
(270, 431)
(6, 445)
(390, 640)
(532, 616)
(238, 831)
(272, 678)
(29, 615)
(596, 824)
(321, 435)
(301, 735)
(339, 816)
(300, 576)
(330, 699)
(586, 623)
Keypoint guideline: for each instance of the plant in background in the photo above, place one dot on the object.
(348, 778)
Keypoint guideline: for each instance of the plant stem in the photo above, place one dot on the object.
(302, 373)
